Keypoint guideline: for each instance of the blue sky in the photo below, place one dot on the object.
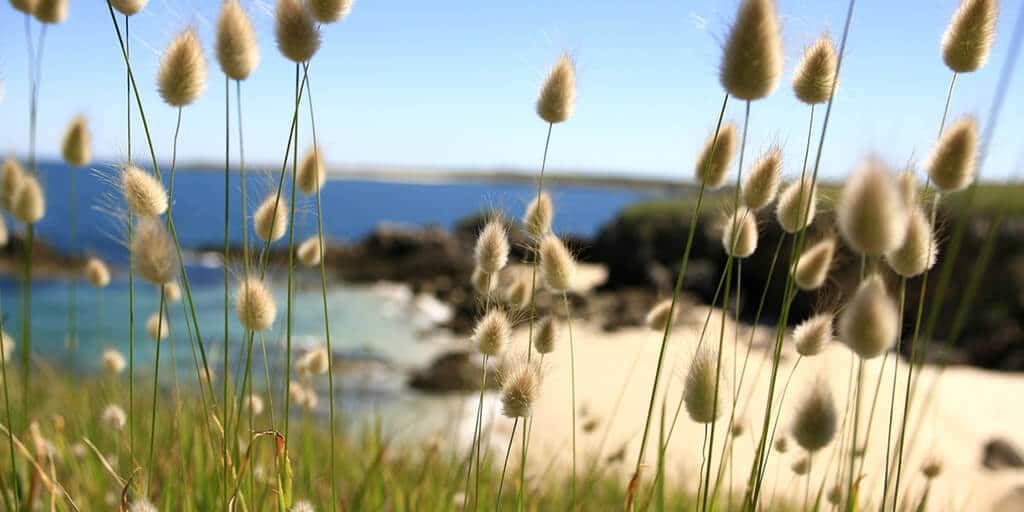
(452, 84)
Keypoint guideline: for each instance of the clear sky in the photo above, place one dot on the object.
(452, 83)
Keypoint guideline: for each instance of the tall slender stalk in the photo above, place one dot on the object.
(504, 466)
(323, 295)
(131, 266)
(572, 391)
(227, 262)
(668, 325)
(10, 425)
(291, 262)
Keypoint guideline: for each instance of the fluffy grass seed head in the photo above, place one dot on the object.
(557, 264)
(907, 182)
(699, 387)
(801, 466)
(951, 165)
(539, 214)
(311, 173)
(658, 318)
(752, 57)
(302, 506)
(492, 333)
(304, 396)
(314, 362)
(518, 293)
(113, 417)
(739, 233)
(716, 156)
(813, 265)
(270, 220)
(546, 337)
(558, 93)
(814, 424)
(492, 247)
(51, 11)
(237, 51)
(29, 205)
(128, 7)
(157, 328)
(329, 11)
(932, 467)
(6, 346)
(796, 200)
(308, 251)
(25, 6)
(872, 215)
(171, 291)
(255, 305)
(813, 334)
(869, 323)
(113, 361)
(484, 283)
(918, 251)
(153, 252)
(762, 182)
(298, 36)
(782, 444)
(816, 72)
(143, 193)
(76, 148)
(835, 495)
(182, 74)
(254, 404)
(520, 388)
(96, 272)
(12, 177)
(968, 39)
(4, 233)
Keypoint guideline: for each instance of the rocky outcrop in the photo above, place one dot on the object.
(1001, 454)
(452, 371)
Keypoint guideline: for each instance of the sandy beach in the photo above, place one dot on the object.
(614, 372)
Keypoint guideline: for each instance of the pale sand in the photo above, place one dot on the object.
(970, 407)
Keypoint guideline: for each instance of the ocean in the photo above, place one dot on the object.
(382, 329)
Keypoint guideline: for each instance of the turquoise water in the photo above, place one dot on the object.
(380, 331)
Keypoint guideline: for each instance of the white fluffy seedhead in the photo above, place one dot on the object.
(752, 57)
(255, 305)
(715, 157)
(813, 334)
(143, 193)
(492, 247)
(311, 174)
(539, 214)
(29, 205)
(13, 174)
(314, 362)
(181, 77)
(154, 256)
(113, 417)
(517, 295)
(519, 391)
(237, 51)
(483, 282)
(492, 333)
(298, 36)
(739, 233)
(813, 266)
(558, 93)
(918, 251)
(951, 165)
(797, 202)
(546, 338)
(157, 327)
(872, 215)
(557, 264)
(76, 148)
(762, 182)
(815, 74)
(308, 251)
(699, 387)
(869, 323)
(815, 422)
(96, 272)
(270, 220)
(113, 361)
(968, 39)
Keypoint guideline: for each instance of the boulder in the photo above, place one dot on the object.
(452, 371)
(1001, 454)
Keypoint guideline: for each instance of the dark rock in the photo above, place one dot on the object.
(1000, 454)
(451, 371)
